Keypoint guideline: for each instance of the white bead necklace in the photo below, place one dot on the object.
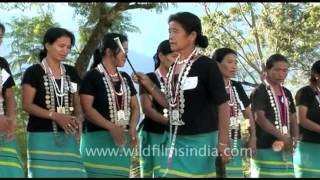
(284, 128)
(64, 103)
(162, 80)
(58, 92)
(114, 75)
(2, 135)
(119, 114)
(1, 97)
(318, 95)
(176, 108)
(179, 61)
(236, 115)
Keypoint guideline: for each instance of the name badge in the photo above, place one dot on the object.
(190, 83)
(5, 76)
(74, 87)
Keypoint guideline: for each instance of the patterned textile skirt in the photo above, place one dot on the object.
(10, 161)
(102, 158)
(271, 164)
(307, 160)
(151, 152)
(194, 156)
(50, 157)
(235, 168)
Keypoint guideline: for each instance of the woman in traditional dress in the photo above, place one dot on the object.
(50, 96)
(242, 131)
(197, 103)
(156, 117)
(277, 130)
(10, 161)
(306, 157)
(108, 98)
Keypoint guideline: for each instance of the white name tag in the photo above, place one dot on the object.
(74, 87)
(318, 99)
(5, 76)
(190, 83)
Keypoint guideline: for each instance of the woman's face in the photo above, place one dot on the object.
(59, 49)
(168, 60)
(228, 65)
(179, 39)
(120, 58)
(278, 72)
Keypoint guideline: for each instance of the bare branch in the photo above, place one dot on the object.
(244, 39)
(236, 41)
(119, 7)
(244, 16)
(241, 47)
(252, 77)
(105, 19)
(142, 6)
(255, 32)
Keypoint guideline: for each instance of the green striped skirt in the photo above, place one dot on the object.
(235, 168)
(10, 161)
(47, 158)
(102, 158)
(270, 164)
(307, 160)
(194, 156)
(151, 150)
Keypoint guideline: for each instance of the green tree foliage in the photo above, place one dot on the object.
(27, 34)
(88, 15)
(100, 18)
(257, 30)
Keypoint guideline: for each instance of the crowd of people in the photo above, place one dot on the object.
(198, 121)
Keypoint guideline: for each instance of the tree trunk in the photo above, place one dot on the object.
(87, 52)
(105, 21)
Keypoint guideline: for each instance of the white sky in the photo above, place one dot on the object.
(142, 45)
(153, 26)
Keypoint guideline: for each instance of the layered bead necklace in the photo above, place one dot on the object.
(2, 135)
(162, 80)
(281, 114)
(176, 98)
(1, 97)
(318, 95)
(119, 113)
(236, 116)
(57, 95)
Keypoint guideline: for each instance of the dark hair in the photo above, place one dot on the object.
(164, 48)
(2, 28)
(314, 71)
(108, 43)
(220, 53)
(275, 58)
(51, 36)
(190, 22)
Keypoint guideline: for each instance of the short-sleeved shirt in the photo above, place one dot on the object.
(8, 83)
(33, 76)
(306, 96)
(93, 85)
(148, 124)
(203, 98)
(260, 101)
(243, 98)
